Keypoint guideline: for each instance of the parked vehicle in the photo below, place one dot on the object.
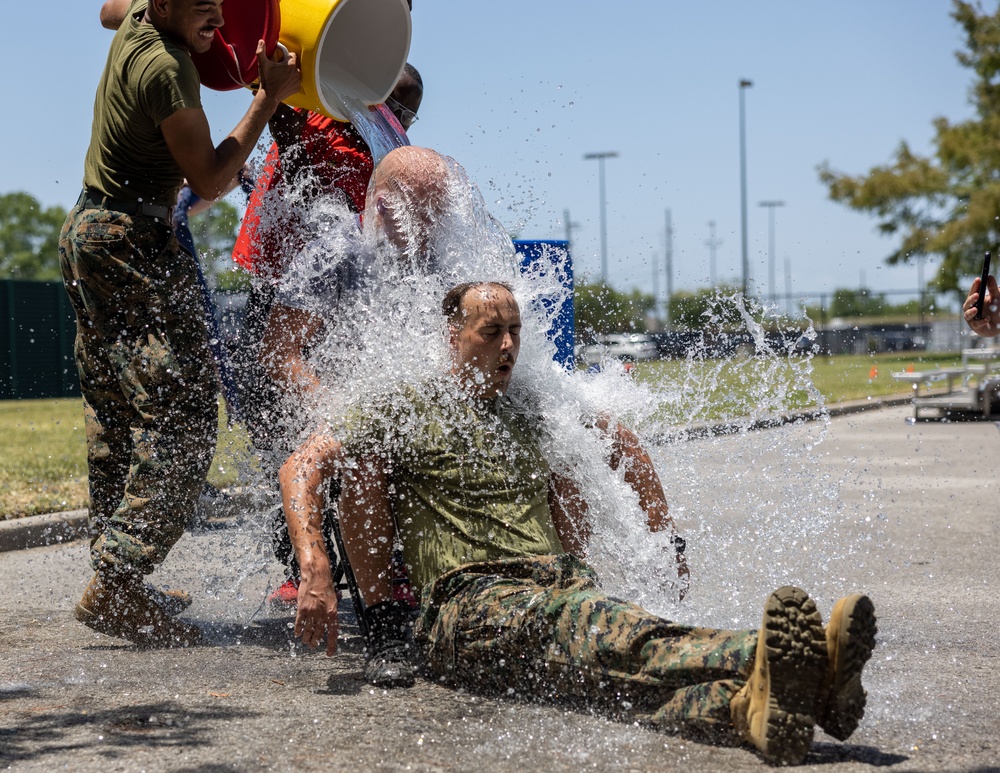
(630, 347)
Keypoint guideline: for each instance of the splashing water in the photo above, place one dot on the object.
(753, 506)
(394, 334)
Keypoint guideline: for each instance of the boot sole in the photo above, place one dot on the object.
(173, 634)
(850, 640)
(794, 647)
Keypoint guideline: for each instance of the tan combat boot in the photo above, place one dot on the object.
(850, 639)
(774, 710)
(118, 605)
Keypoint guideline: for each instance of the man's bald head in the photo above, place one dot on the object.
(408, 194)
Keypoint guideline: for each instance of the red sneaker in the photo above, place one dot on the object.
(402, 590)
(286, 596)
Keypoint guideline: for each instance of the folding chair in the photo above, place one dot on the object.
(343, 575)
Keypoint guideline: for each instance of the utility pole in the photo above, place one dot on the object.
(570, 226)
(770, 244)
(920, 287)
(656, 283)
(788, 286)
(744, 85)
(668, 259)
(604, 214)
(712, 244)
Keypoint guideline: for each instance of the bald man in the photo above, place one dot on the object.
(406, 198)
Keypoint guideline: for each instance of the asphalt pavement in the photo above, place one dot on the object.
(866, 501)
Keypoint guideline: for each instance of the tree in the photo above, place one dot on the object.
(949, 204)
(214, 233)
(857, 303)
(598, 308)
(694, 310)
(29, 237)
(862, 302)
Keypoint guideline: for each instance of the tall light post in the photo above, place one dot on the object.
(604, 215)
(770, 243)
(744, 85)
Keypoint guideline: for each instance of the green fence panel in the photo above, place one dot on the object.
(37, 329)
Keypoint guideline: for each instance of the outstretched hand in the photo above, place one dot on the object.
(316, 614)
(989, 325)
(682, 584)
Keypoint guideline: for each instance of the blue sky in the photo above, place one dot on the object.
(519, 91)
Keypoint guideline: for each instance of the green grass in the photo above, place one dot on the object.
(840, 379)
(43, 457)
(716, 389)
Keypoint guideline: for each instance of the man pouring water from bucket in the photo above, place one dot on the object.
(142, 350)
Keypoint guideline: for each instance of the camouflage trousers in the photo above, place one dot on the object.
(541, 628)
(148, 380)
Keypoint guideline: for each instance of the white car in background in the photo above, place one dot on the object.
(630, 347)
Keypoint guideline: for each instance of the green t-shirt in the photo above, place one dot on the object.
(468, 479)
(147, 78)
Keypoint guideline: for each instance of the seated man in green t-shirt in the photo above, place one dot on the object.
(493, 536)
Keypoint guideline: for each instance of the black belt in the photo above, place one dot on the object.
(91, 199)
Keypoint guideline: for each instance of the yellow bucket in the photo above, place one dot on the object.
(356, 48)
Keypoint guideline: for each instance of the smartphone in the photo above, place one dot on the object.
(982, 287)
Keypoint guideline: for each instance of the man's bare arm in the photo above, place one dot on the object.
(368, 527)
(283, 350)
(209, 168)
(303, 477)
(641, 476)
(569, 514)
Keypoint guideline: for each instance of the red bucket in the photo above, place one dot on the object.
(231, 62)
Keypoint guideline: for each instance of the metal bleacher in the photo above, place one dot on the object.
(971, 388)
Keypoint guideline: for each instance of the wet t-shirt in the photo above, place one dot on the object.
(148, 77)
(468, 478)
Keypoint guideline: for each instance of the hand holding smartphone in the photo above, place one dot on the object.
(982, 287)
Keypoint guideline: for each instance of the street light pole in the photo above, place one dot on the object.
(770, 243)
(604, 215)
(744, 84)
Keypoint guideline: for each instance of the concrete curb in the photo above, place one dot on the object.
(37, 530)
(34, 531)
